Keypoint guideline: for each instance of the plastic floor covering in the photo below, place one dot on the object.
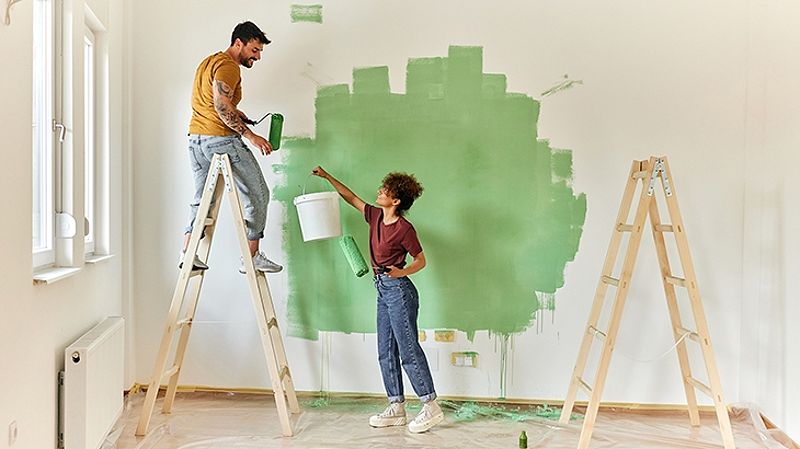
(249, 421)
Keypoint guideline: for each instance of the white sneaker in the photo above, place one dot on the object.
(430, 415)
(261, 263)
(197, 264)
(394, 415)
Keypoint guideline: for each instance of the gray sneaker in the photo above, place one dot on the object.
(430, 415)
(197, 264)
(394, 415)
(261, 263)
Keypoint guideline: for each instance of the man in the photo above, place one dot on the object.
(217, 127)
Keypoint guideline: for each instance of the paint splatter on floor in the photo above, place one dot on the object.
(498, 221)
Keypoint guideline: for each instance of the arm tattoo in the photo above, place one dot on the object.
(225, 109)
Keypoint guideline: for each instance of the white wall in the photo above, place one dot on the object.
(710, 84)
(648, 89)
(770, 340)
(38, 322)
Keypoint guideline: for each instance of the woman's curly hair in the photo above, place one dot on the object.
(404, 187)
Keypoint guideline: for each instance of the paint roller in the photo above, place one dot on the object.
(275, 128)
(353, 255)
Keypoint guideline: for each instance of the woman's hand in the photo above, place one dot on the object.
(395, 272)
(319, 171)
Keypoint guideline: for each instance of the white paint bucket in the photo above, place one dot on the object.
(319, 215)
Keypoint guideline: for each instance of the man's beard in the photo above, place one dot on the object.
(247, 62)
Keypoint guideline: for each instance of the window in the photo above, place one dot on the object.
(43, 145)
(56, 189)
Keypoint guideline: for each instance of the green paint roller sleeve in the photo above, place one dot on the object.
(353, 255)
(275, 130)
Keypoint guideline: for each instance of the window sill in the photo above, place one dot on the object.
(53, 274)
(97, 258)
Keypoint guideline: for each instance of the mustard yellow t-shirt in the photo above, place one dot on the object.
(205, 119)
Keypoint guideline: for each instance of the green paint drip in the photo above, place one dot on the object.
(306, 13)
(504, 338)
(498, 221)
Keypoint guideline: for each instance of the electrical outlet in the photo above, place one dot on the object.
(12, 433)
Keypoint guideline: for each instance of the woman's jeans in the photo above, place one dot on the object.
(398, 340)
(253, 190)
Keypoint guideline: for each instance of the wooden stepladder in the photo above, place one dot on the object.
(200, 244)
(648, 172)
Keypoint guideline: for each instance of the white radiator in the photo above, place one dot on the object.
(93, 384)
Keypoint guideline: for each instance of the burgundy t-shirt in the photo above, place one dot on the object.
(388, 244)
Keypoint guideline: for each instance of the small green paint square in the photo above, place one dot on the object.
(306, 13)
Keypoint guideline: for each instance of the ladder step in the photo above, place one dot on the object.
(640, 174)
(624, 228)
(680, 282)
(610, 281)
(170, 372)
(273, 322)
(664, 228)
(595, 332)
(700, 386)
(194, 273)
(284, 373)
(692, 335)
(585, 386)
(208, 221)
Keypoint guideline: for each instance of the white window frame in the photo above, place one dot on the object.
(90, 89)
(44, 91)
(97, 144)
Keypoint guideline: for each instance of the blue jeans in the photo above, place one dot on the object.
(398, 340)
(253, 190)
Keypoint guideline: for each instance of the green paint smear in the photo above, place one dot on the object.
(498, 220)
(460, 411)
(306, 13)
(470, 411)
(566, 84)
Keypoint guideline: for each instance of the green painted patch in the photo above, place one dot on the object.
(498, 220)
(306, 13)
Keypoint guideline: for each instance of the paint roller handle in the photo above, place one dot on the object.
(248, 121)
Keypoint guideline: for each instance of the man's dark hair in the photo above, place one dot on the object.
(247, 31)
(404, 187)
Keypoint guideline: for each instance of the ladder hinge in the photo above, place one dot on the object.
(659, 169)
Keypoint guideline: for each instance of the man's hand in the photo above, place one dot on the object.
(319, 171)
(259, 142)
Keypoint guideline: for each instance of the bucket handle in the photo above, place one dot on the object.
(305, 184)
